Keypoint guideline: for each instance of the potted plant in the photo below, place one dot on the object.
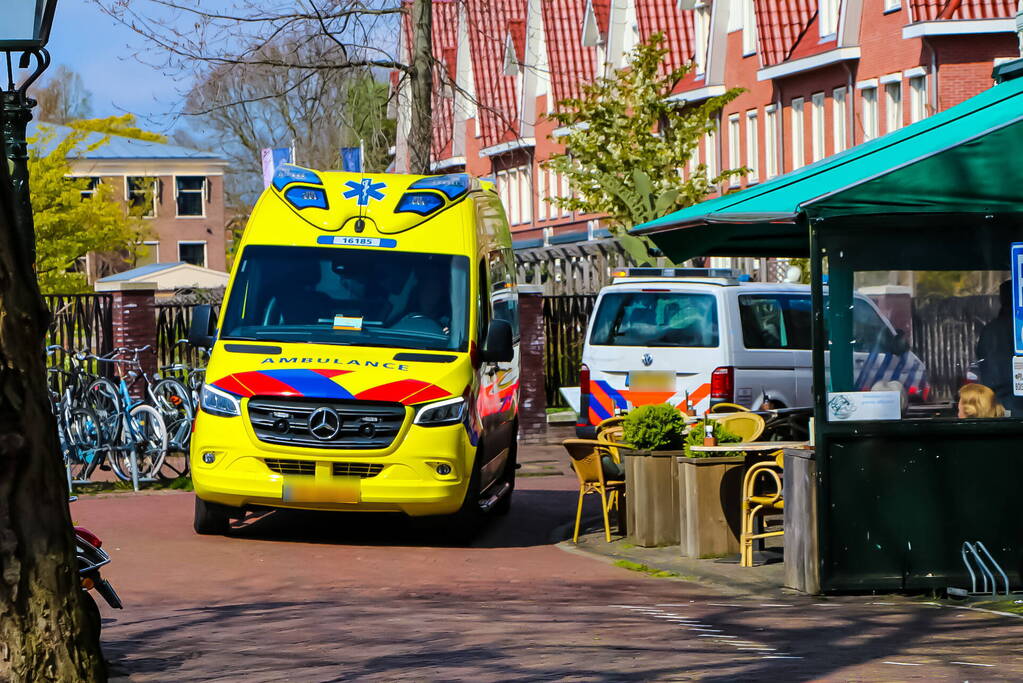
(710, 490)
(656, 434)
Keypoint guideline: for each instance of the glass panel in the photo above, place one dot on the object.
(338, 296)
(192, 253)
(190, 204)
(671, 319)
(775, 321)
(20, 20)
(921, 334)
(141, 195)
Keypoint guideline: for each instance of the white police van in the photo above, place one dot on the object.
(696, 337)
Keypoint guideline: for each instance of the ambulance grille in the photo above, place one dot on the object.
(281, 466)
(363, 470)
(364, 425)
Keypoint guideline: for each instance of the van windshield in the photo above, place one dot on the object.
(352, 297)
(656, 319)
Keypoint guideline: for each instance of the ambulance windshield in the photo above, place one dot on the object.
(355, 297)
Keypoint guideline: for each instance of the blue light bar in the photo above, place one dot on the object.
(423, 203)
(287, 173)
(453, 185)
(306, 197)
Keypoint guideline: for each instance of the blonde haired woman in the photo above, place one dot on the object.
(977, 400)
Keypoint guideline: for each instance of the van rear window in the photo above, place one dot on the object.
(656, 319)
(775, 321)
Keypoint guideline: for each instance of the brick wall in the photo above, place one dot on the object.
(134, 324)
(532, 399)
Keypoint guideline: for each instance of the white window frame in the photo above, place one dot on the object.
(154, 247)
(868, 111)
(525, 195)
(156, 196)
(701, 30)
(749, 28)
(89, 193)
(798, 125)
(205, 251)
(770, 141)
(839, 119)
(710, 154)
(917, 98)
(204, 192)
(892, 6)
(735, 15)
(827, 18)
(893, 109)
(734, 146)
(752, 147)
(817, 142)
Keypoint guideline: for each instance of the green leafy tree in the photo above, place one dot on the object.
(68, 225)
(124, 126)
(627, 144)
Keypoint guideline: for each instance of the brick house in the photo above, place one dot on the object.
(820, 76)
(186, 221)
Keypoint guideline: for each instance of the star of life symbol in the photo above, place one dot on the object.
(365, 190)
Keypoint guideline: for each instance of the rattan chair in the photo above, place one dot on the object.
(728, 408)
(747, 426)
(586, 455)
(764, 502)
(610, 423)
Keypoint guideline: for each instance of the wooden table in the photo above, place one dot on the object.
(750, 447)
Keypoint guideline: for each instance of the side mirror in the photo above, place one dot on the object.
(898, 343)
(200, 332)
(499, 347)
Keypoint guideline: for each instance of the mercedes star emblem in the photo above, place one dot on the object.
(648, 360)
(324, 423)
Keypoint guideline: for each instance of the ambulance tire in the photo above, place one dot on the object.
(503, 506)
(465, 524)
(211, 519)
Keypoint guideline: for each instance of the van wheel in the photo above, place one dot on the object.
(503, 506)
(465, 523)
(211, 518)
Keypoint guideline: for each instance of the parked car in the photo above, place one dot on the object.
(699, 337)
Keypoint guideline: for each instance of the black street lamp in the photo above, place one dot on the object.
(24, 30)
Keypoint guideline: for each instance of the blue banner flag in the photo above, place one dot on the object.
(351, 159)
(272, 158)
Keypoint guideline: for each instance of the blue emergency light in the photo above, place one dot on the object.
(422, 203)
(287, 174)
(453, 185)
(306, 197)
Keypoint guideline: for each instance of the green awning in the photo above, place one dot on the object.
(964, 160)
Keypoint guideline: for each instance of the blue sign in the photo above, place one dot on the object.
(1017, 297)
(351, 159)
(364, 191)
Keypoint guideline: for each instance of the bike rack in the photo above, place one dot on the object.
(984, 567)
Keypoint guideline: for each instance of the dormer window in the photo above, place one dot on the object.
(827, 16)
(511, 60)
(701, 26)
(591, 31)
(749, 28)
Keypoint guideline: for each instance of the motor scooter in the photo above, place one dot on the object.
(91, 557)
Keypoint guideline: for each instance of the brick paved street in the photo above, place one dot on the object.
(297, 597)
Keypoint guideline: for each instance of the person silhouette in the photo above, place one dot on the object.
(995, 350)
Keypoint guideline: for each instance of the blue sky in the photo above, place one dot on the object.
(103, 52)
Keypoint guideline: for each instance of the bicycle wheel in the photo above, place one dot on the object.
(174, 402)
(175, 405)
(145, 435)
(84, 443)
(102, 398)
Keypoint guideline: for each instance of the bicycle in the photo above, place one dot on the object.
(78, 427)
(189, 380)
(132, 427)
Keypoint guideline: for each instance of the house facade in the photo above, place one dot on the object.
(181, 190)
(819, 76)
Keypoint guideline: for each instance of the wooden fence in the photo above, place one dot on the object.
(945, 334)
(565, 318)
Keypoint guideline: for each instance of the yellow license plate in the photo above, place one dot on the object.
(308, 490)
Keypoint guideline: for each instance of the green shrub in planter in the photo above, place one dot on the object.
(695, 438)
(656, 427)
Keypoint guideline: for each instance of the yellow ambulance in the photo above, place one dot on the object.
(365, 357)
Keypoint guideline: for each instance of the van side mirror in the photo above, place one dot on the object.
(200, 332)
(499, 347)
(898, 344)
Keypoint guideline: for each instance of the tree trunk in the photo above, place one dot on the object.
(44, 632)
(420, 137)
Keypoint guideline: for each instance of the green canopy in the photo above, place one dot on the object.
(964, 160)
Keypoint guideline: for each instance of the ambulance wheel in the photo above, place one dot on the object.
(211, 518)
(503, 506)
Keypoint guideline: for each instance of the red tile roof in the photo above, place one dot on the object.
(928, 10)
(517, 32)
(570, 63)
(495, 92)
(664, 16)
(602, 13)
(809, 43)
(780, 25)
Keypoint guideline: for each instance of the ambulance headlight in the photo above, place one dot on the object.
(217, 402)
(447, 412)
